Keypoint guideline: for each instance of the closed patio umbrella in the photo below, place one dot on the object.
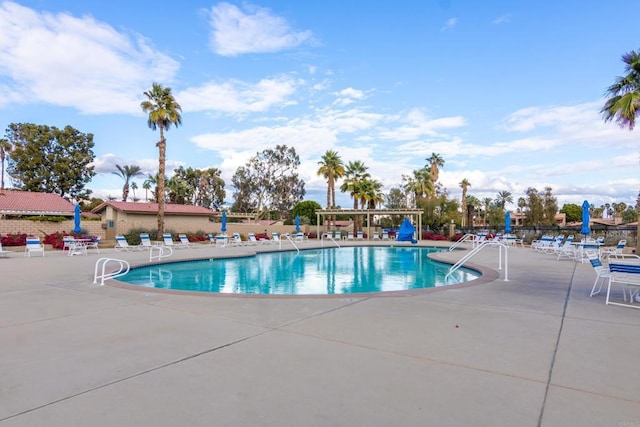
(507, 222)
(585, 218)
(223, 226)
(76, 219)
(297, 223)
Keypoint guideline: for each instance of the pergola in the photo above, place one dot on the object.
(373, 212)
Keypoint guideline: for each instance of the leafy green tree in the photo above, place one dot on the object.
(629, 215)
(127, 172)
(205, 187)
(51, 160)
(439, 210)
(535, 212)
(572, 211)
(164, 111)
(395, 199)
(151, 183)
(269, 181)
(473, 204)
(550, 203)
(307, 209)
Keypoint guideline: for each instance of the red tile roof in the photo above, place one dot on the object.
(29, 203)
(152, 208)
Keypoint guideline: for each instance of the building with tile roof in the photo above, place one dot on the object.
(29, 203)
(121, 217)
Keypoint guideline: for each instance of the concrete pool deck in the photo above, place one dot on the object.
(531, 351)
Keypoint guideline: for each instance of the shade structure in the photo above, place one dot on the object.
(507, 222)
(297, 222)
(76, 219)
(223, 226)
(585, 218)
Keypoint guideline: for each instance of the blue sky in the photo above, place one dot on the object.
(508, 93)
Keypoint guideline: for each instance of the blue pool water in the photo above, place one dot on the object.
(310, 272)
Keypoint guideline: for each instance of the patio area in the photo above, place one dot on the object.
(531, 351)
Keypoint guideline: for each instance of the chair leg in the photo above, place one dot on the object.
(595, 283)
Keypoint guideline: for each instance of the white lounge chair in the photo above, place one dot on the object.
(349, 235)
(614, 250)
(145, 241)
(376, 235)
(33, 245)
(602, 273)
(275, 237)
(184, 241)
(359, 235)
(123, 245)
(3, 253)
(385, 235)
(299, 237)
(94, 244)
(67, 242)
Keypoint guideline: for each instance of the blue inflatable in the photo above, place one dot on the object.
(405, 234)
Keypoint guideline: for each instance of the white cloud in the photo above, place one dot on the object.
(75, 62)
(348, 96)
(255, 30)
(106, 164)
(448, 26)
(237, 97)
(503, 19)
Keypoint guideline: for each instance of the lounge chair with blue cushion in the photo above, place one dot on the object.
(145, 240)
(615, 250)
(33, 245)
(184, 241)
(123, 245)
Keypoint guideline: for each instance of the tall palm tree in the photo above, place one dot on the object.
(127, 172)
(5, 148)
(435, 162)
(487, 205)
(134, 187)
(623, 102)
(503, 198)
(354, 174)
(163, 110)
(147, 186)
(331, 168)
(464, 184)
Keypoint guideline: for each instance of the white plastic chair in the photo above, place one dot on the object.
(33, 245)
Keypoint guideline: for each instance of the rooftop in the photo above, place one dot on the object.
(152, 208)
(30, 203)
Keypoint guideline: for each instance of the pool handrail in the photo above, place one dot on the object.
(477, 249)
(160, 249)
(124, 269)
(288, 236)
(466, 238)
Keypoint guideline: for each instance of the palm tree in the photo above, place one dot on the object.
(127, 172)
(487, 205)
(331, 168)
(134, 187)
(464, 184)
(163, 111)
(147, 186)
(5, 148)
(354, 173)
(435, 162)
(503, 198)
(623, 103)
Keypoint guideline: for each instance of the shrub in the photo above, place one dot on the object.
(14, 240)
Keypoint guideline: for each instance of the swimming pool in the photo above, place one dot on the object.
(344, 270)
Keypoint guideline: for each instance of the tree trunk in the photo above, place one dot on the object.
(160, 194)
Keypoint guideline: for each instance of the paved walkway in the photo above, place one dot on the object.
(533, 351)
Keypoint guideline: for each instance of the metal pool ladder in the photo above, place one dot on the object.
(102, 262)
(477, 249)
